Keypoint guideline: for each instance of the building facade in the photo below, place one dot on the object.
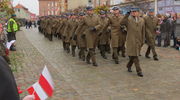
(49, 7)
(101, 2)
(168, 6)
(23, 13)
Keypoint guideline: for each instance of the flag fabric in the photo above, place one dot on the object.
(37, 91)
(8, 44)
(44, 87)
(46, 82)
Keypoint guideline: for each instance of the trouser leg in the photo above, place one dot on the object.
(92, 56)
(159, 40)
(148, 52)
(103, 51)
(130, 63)
(108, 48)
(73, 48)
(88, 57)
(64, 45)
(83, 53)
(154, 51)
(123, 51)
(137, 64)
(80, 53)
(115, 55)
(67, 47)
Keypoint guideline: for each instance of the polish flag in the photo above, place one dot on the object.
(46, 82)
(37, 91)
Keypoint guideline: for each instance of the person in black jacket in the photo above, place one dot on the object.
(8, 87)
(166, 31)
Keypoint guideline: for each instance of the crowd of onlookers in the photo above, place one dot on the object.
(29, 23)
(8, 87)
(169, 29)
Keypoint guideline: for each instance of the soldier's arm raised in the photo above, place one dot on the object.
(125, 20)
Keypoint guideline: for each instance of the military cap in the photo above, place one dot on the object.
(81, 14)
(13, 15)
(151, 10)
(135, 9)
(102, 12)
(115, 8)
(89, 8)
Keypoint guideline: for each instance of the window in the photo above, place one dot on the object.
(52, 12)
(52, 4)
(48, 12)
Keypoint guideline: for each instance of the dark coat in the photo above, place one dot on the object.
(165, 28)
(8, 88)
(177, 29)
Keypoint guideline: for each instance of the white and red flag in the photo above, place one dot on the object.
(44, 87)
(37, 91)
(46, 82)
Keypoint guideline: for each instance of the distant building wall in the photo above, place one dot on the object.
(49, 7)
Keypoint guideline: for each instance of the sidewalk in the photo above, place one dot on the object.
(30, 65)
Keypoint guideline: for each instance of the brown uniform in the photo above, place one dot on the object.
(67, 34)
(91, 22)
(104, 35)
(151, 24)
(73, 41)
(135, 39)
(118, 38)
(81, 41)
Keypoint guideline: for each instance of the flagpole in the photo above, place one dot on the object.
(156, 6)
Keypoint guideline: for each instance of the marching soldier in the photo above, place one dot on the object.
(104, 34)
(151, 23)
(117, 36)
(67, 33)
(49, 27)
(81, 40)
(73, 37)
(135, 38)
(91, 34)
(62, 30)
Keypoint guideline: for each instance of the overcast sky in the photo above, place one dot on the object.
(32, 5)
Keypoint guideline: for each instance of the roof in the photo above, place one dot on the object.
(20, 6)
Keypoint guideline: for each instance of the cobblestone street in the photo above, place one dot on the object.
(75, 80)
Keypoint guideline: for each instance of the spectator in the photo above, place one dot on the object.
(166, 31)
(178, 44)
(35, 25)
(12, 29)
(26, 24)
(173, 29)
(177, 30)
(8, 87)
(3, 49)
(30, 24)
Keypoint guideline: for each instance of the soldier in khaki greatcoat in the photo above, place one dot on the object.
(81, 40)
(104, 33)
(151, 23)
(118, 38)
(91, 34)
(135, 38)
